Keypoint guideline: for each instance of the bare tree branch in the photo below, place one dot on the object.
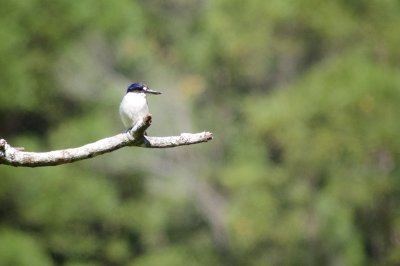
(134, 137)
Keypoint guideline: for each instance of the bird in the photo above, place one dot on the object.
(134, 106)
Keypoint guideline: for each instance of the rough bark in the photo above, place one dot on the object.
(134, 137)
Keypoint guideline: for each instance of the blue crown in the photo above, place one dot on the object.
(135, 87)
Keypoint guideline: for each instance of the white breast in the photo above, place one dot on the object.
(132, 108)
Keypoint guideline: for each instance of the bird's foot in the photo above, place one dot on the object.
(129, 129)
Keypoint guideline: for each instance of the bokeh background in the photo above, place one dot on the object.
(303, 98)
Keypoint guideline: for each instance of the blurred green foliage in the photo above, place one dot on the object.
(302, 97)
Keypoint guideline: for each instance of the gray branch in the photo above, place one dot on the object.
(135, 137)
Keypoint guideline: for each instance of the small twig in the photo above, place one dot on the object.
(134, 137)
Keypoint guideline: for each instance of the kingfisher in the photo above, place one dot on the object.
(134, 104)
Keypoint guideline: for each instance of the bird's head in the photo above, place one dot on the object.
(140, 88)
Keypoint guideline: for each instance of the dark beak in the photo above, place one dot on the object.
(147, 90)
